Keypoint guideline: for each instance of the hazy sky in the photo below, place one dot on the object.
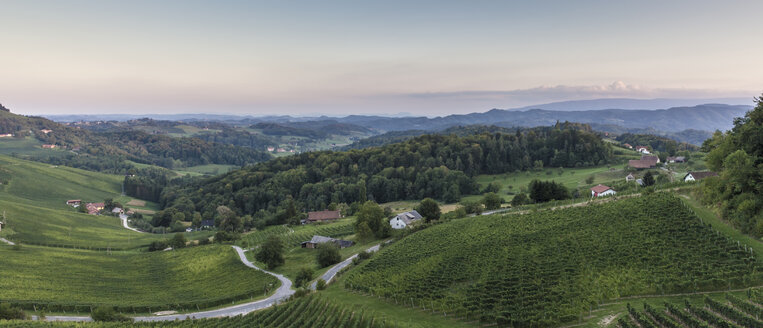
(343, 57)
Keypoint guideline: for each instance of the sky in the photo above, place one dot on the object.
(369, 57)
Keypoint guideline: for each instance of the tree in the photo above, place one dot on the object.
(492, 201)
(372, 215)
(271, 252)
(108, 313)
(196, 222)
(305, 275)
(452, 194)
(519, 199)
(320, 284)
(648, 179)
(492, 187)
(429, 209)
(328, 254)
(7, 312)
(543, 191)
(177, 241)
(363, 231)
(227, 220)
(471, 206)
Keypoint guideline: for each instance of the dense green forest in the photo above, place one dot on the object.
(656, 143)
(737, 156)
(437, 166)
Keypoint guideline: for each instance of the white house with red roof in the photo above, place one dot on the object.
(602, 190)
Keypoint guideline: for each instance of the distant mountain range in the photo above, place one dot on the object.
(701, 120)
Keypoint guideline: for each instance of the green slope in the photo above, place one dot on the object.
(33, 197)
(64, 278)
(550, 267)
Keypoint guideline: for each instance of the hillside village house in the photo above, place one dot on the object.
(628, 146)
(207, 224)
(6, 135)
(117, 210)
(694, 176)
(642, 149)
(677, 159)
(403, 220)
(646, 162)
(48, 146)
(94, 208)
(74, 202)
(317, 240)
(322, 216)
(629, 177)
(46, 131)
(601, 190)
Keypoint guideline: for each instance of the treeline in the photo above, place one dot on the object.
(239, 138)
(657, 143)
(436, 166)
(737, 156)
(147, 183)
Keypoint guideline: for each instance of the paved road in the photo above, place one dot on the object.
(281, 294)
(124, 223)
(331, 273)
(7, 241)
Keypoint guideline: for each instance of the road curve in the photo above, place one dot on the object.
(123, 218)
(282, 293)
(331, 273)
(7, 241)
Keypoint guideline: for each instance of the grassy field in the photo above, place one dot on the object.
(572, 178)
(199, 275)
(209, 169)
(27, 146)
(33, 197)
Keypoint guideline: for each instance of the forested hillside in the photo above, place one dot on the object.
(434, 166)
(738, 156)
(107, 151)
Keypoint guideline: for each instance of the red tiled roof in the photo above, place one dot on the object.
(323, 215)
(600, 188)
(641, 164)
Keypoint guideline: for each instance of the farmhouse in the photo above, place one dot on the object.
(317, 240)
(642, 149)
(1, 225)
(641, 164)
(694, 176)
(74, 202)
(654, 159)
(46, 131)
(629, 177)
(207, 224)
(601, 190)
(6, 135)
(271, 149)
(48, 146)
(402, 220)
(94, 208)
(117, 210)
(677, 159)
(628, 146)
(323, 216)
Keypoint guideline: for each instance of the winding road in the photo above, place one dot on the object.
(282, 293)
(124, 223)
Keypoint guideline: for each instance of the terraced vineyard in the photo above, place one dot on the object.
(734, 312)
(74, 280)
(307, 312)
(550, 267)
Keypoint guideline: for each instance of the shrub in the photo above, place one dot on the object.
(304, 276)
(177, 241)
(157, 245)
(320, 284)
(328, 254)
(7, 312)
(107, 313)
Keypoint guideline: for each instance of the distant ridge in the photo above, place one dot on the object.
(628, 103)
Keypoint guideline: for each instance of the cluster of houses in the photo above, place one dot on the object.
(96, 208)
(279, 150)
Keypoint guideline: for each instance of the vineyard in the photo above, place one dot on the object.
(550, 267)
(74, 280)
(307, 312)
(733, 312)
